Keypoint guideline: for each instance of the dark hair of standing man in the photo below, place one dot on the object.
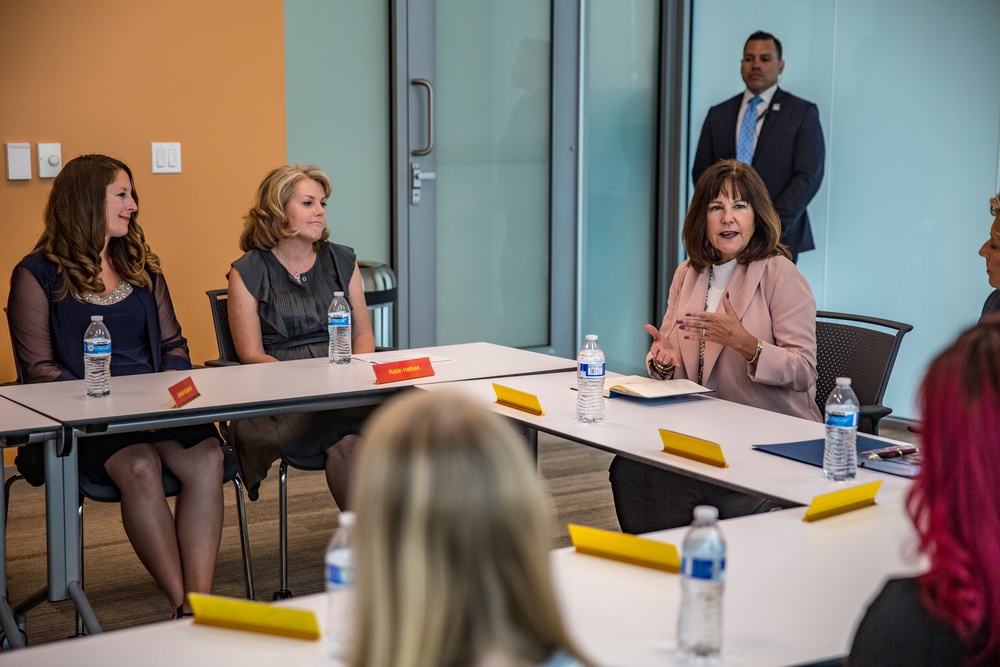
(764, 36)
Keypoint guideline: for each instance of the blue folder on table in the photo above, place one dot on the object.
(811, 451)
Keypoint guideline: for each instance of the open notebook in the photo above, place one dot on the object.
(644, 387)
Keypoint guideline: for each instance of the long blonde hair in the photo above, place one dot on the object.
(452, 539)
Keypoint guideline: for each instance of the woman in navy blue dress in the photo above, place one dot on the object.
(92, 259)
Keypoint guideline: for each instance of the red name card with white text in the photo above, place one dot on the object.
(183, 392)
(394, 371)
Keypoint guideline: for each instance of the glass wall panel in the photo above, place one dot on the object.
(910, 106)
(620, 90)
(492, 119)
(337, 97)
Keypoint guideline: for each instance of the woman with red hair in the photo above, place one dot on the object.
(951, 614)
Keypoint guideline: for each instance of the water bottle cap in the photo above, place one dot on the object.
(843, 382)
(706, 513)
(591, 336)
(347, 519)
(97, 318)
(338, 294)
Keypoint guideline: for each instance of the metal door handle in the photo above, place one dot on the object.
(430, 116)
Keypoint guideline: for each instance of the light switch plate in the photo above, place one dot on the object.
(166, 158)
(18, 162)
(49, 160)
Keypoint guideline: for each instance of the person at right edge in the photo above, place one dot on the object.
(991, 253)
(741, 320)
(950, 614)
(779, 135)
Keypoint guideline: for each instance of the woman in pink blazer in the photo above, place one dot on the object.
(741, 320)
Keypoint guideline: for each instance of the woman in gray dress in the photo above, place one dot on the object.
(279, 293)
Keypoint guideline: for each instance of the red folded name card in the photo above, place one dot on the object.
(394, 371)
(183, 391)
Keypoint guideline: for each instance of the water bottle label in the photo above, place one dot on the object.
(339, 320)
(592, 369)
(706, 569)
(341, 575)
(850, 420)
(96, 348)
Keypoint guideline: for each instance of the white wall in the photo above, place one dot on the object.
(909, 99)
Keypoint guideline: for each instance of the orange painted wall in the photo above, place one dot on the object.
(112, 77)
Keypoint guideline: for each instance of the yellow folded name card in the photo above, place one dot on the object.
(693, 448)
(626, 548)
(253, 616)
(519, 400)
(845, 500)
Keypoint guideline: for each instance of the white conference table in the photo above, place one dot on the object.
(140, 402)
(794, 593)
(18, 426)
(631, 428)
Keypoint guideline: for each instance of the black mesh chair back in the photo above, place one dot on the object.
(863, 349)
(18, 365)
(219, 299)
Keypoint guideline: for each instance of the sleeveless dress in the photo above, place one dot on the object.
(145, 338)
(293, 322)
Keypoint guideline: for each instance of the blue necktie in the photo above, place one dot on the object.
(748, 130)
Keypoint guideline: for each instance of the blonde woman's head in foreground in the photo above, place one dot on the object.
(452, 540)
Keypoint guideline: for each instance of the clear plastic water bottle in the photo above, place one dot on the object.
(339, 322)
(340, 588)
(97, 358)
(840, 450)
(703, 575)
(590, 382)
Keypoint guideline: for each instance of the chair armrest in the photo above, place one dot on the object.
(875, 412)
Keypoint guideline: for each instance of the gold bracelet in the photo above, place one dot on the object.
(756, 355)
(663, 371)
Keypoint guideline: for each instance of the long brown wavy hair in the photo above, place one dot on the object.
(76, 222)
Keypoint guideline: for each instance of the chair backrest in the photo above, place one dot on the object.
(18, 364)
(219, 298)
(862, 353)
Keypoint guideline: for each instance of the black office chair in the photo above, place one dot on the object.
(219, 300)
(863, 353)
(30, 467)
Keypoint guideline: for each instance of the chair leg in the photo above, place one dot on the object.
(6, 497)
(241, 511)
(80, 630)
(283, 593)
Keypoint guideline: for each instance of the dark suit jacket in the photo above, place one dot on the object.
(789, 157)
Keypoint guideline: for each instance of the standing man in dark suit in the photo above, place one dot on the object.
(779, 135)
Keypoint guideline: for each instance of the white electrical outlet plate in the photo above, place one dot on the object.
(166, 158)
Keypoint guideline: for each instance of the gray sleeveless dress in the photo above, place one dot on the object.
(293, 326)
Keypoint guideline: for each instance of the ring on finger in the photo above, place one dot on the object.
(703, 331)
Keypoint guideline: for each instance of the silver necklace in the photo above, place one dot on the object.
(114, 296)
(296, 274)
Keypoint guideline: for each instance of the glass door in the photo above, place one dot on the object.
(472, 158)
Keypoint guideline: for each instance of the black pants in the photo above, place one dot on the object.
(648, 498)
